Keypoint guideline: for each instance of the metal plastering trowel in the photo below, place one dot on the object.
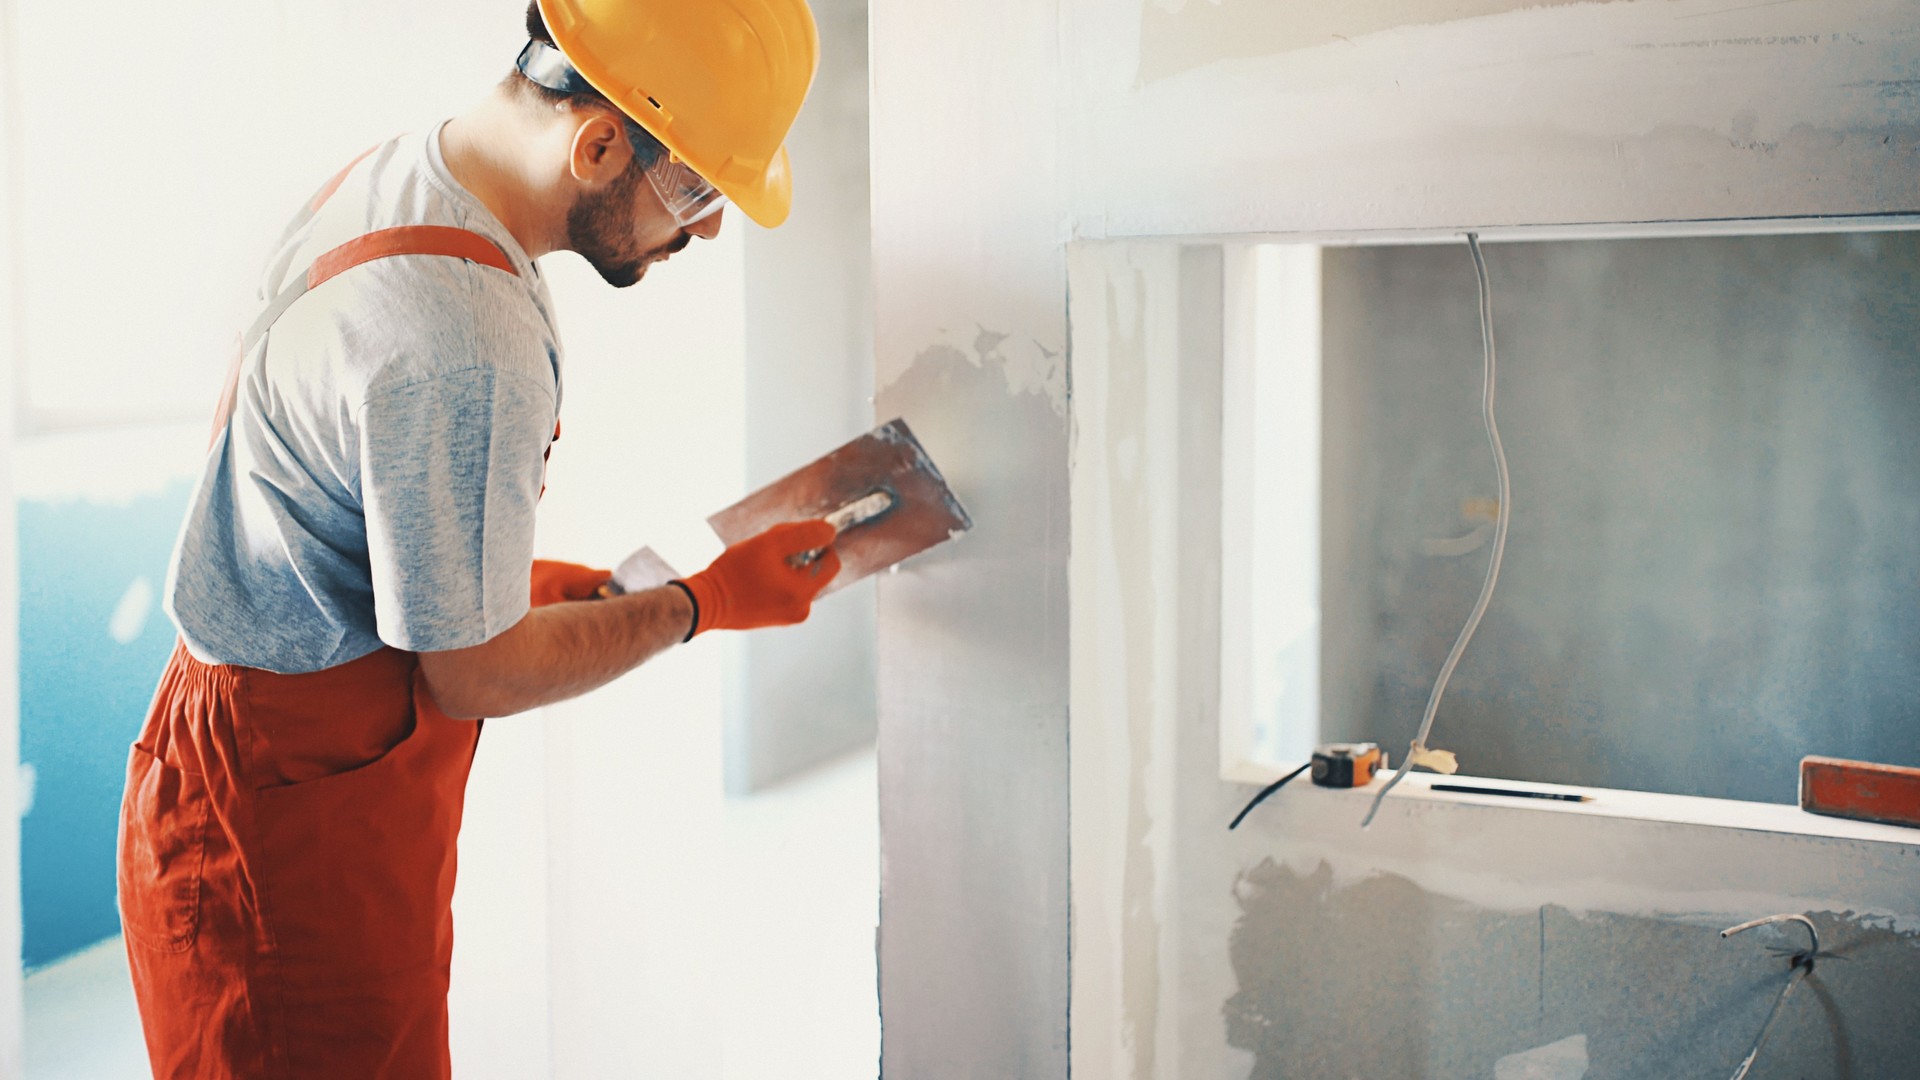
(881, 492)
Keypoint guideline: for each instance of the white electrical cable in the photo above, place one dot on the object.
(1501, 517)
(1802, 967)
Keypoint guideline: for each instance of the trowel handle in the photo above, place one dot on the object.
(858, 512)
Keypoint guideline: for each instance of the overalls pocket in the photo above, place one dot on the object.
(163, 823)
(356, 867)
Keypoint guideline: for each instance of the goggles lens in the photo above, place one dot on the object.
(686, 195)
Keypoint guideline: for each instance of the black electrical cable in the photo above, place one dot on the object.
(1266, 791)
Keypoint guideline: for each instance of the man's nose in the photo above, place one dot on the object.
(707, 227)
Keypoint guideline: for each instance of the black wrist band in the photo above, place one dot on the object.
(691, 599)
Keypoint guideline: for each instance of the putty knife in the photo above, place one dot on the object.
(881, 491)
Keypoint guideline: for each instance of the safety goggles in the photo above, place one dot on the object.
(685, 193)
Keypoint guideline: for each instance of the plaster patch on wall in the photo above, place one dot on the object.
(1131, 983)
(129, 616)
(1180, 35)
(1445, 988)
(1027, 365)
(1129, 487)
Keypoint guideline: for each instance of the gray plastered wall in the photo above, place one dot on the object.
(1446, 937)
(1712, 567)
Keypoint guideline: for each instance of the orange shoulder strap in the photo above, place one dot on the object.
(400, 240)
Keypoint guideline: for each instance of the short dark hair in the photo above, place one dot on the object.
(646, 148)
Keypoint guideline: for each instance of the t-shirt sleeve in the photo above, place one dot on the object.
(450, 473)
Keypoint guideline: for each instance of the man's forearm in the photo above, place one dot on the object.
(557, 652)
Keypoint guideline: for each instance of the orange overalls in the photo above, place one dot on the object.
(287, 842)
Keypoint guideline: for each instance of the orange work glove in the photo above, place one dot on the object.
(752, 584)
(554, 582)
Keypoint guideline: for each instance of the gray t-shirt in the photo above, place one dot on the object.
(377, 483)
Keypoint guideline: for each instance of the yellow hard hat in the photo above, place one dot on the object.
(718, 82)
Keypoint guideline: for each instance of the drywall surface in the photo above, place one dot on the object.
(96, 516)
(805, 694)
(970, 339)
(1446, 938)
(1180, 35)
(1146, 469)
(93, 644)
(1712, 569)
(1212, 118)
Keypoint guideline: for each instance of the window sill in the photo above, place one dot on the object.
(1610, 803)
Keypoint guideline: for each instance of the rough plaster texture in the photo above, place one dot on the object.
(1179, 35)
(803, 695)
(1447, 987)
(1648, 110)
(1712, 569)
(970, 338)
(1447, 937)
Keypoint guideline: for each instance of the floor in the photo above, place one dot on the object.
(805, 1000)
(81, 1024)
(803, 1004)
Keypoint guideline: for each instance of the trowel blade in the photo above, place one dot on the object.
(640, 571)
(925, 512)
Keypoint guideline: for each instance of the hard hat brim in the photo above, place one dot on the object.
(768, 198)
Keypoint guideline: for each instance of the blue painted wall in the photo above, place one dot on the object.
(83, 696)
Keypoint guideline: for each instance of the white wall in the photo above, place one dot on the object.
(12, 1053)
(156, 172)
(652, 444)
(1002, 131)
(805, 693)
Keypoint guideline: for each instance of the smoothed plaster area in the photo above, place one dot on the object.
(1443, 988)
(1179, 35)
(971, 666)
(970, 346)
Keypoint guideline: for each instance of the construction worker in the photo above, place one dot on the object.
(354, 584)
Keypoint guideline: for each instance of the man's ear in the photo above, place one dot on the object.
(600, 150)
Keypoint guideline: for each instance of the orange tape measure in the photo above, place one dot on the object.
(1347, 764)
(1337, 765)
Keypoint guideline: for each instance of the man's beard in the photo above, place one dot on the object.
(600, 228)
